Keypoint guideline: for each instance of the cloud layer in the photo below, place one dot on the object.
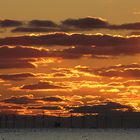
(108, 107)
(10, 23)
(94, 45)
(72, 39)
(67, 25)
(42, 86)
(67, 70)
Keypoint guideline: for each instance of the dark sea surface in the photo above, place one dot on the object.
(69, 134)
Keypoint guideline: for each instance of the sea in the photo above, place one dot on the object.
(69, 134)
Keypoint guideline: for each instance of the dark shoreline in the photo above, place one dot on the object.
(104, 121)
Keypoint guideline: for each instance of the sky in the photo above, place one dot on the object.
(116, 11)
(63, 57)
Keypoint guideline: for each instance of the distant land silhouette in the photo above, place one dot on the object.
(104, 120)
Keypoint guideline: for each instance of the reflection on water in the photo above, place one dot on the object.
(69, 134)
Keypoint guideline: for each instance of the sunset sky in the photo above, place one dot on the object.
(69, 56)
